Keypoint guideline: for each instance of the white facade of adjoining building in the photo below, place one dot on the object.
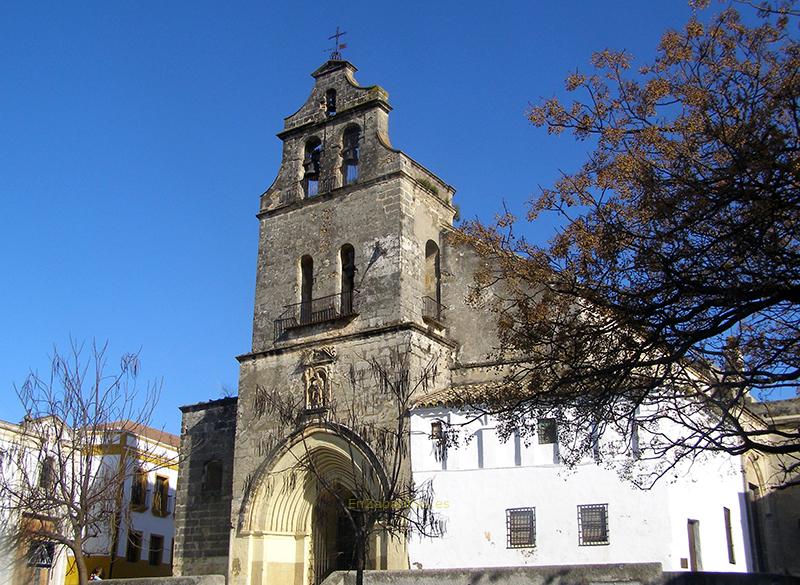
(15, 564)
(478, 482)
(146, 511)
(149, 455)
(156, 463)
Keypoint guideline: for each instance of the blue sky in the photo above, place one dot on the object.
(136, 138)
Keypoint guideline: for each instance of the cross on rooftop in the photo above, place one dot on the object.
(336, 52)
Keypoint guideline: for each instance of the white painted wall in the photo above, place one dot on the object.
(14, 444)
(644, 526)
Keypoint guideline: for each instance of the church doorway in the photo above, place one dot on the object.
(334, 538)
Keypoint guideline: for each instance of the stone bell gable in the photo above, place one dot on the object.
(345, 225)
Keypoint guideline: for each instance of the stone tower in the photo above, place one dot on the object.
(349, 276)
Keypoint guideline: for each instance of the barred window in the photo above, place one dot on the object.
(593, 524)
(133, 552)
(41, 554)
(521, 527)
(156, 552)
(547, 431)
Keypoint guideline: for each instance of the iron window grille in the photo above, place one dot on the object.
(156, 551)
(133, 552)
(521, 527)
(41, 554)
(593, 525)
(547, 431)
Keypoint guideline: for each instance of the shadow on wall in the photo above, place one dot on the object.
(774, 519)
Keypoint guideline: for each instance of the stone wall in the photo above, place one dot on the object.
(196, 580)
(629, 573)
(352, 385)
(202, 512)
(634, 574)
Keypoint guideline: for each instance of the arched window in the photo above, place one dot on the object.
(432, 285)
(330, 102)
(306, 288)
(311, 160)
(351, 150)
(347, 257)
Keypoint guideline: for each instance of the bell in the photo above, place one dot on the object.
(310, 166)
(350, 155)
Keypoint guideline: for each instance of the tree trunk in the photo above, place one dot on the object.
(80, 564)
(361, 551)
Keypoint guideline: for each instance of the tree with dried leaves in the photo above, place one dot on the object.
(374, 497)
(672, 291)
(58, 484)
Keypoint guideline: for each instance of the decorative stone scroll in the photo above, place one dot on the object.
(320, 355)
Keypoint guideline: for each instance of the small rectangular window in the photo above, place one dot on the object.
(729, 535)
(547, 431)
(593, 524)
(156, 549)
(521, 527)
(212, 479)
(134, 550)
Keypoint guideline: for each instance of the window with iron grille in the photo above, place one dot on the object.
(547, 431)
(156, 552)
(133, 552)
(593, 524)
(521, 527)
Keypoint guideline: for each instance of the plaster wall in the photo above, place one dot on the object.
(643, 525)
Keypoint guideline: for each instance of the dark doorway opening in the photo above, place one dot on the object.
(334, 538)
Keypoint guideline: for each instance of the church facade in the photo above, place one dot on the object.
(356, 275)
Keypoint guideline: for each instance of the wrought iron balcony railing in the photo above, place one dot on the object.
(315, 311)
(432, 310)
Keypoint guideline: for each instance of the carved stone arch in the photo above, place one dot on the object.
(283, 533)
(281, 485)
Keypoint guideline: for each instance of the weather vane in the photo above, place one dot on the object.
(336, 52)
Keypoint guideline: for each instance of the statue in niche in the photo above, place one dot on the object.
(316, 382)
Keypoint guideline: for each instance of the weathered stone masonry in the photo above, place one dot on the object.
(394, 215)
(202, 516)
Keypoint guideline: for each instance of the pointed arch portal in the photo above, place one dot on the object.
(292, 529)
